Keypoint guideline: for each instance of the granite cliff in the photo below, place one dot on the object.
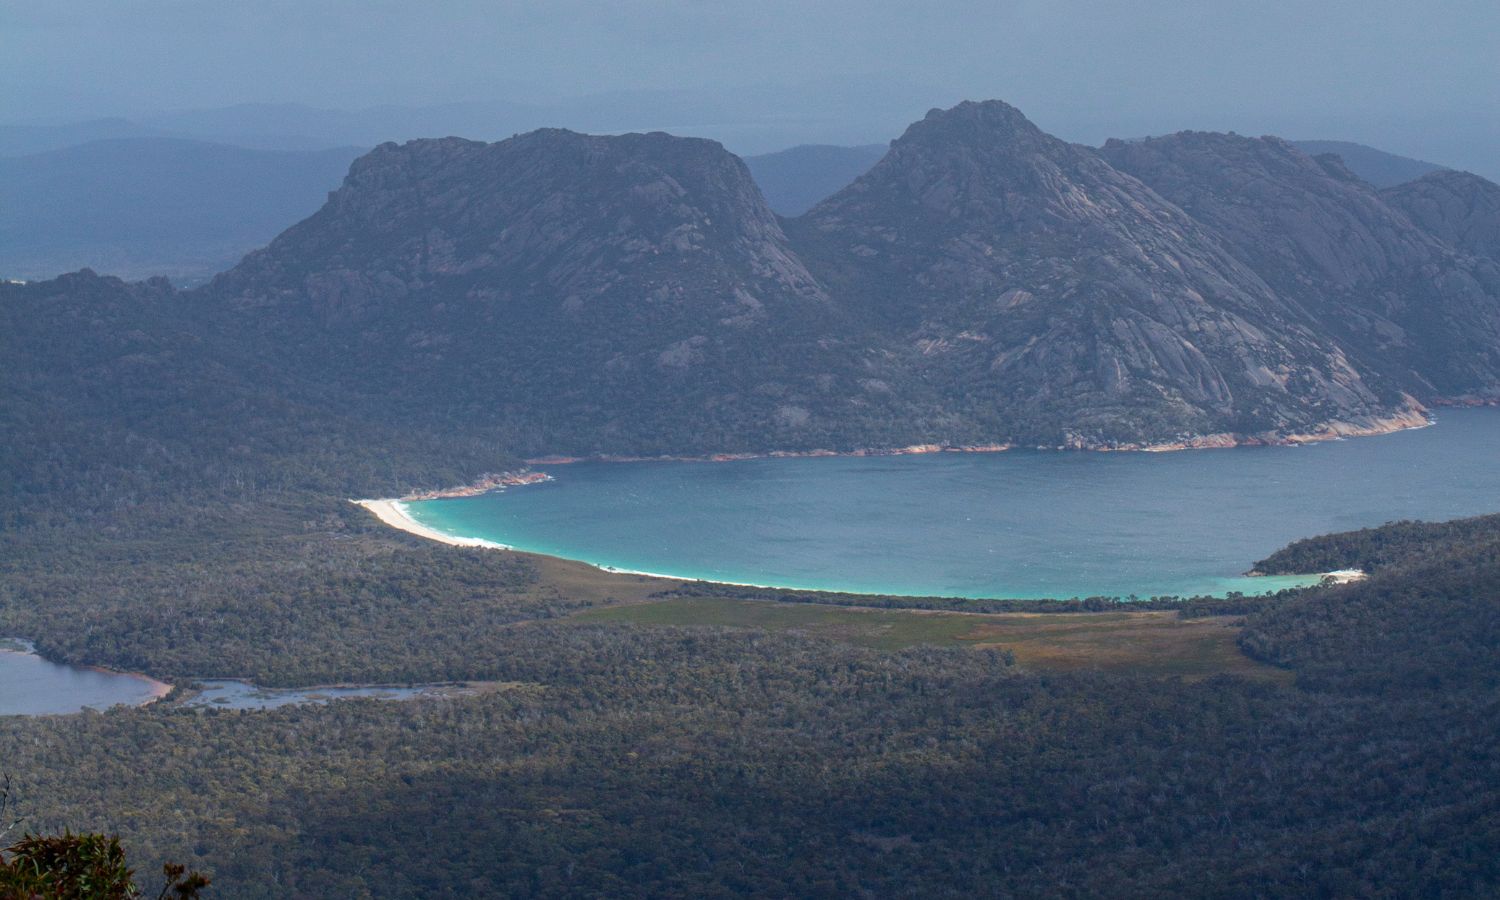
(1059, 300)
(1399, 300)
(585, 294)
(1458, 208)
(984, 284)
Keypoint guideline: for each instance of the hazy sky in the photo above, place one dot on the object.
(1418, 77)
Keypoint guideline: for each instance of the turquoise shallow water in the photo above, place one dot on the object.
(1015, 524)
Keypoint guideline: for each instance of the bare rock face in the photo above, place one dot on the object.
(552, 220)
(1401, 301)
(1458, 208)
(1062, 301)
(622, 291)
(985, 283)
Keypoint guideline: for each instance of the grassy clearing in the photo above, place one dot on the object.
(581, 581)
(1155, 643)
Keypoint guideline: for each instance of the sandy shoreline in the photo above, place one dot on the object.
(157, 689)
(1415, 417)
(1344, 576)
(912, 450)
(394, 514)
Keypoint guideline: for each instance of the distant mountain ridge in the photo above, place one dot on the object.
(985, 283)
(796, 179)
(155, 205)
(1377, 167)
(751, 118)
(147, 206)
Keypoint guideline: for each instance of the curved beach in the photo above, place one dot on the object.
(395, 514)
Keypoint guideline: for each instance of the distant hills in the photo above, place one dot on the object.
(1377, 167)
(154, 206)
(752, 119)
(795, 180)
(130, 199)
(23, 140)
(982, 283)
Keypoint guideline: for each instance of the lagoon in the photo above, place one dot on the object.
(33, 686)
(1021, 524)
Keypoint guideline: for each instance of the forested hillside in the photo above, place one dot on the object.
(650, 761)
(1428, 620)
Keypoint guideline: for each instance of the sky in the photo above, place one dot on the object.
(1421, 78)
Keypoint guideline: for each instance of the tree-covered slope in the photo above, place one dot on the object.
(111, 398)
(670, 761)
(1428, 618)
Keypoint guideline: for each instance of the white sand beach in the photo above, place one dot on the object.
(1344, 576)
(394, 514)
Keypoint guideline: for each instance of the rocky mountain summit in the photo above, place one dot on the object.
(1048, 291)
(985, 283)
(550, 218)
(588, 294)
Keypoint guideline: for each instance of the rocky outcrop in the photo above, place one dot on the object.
(984, 284)
(551, 217)
(583, 293)
(1401, 303)
(1063, 302)
(484, 484)
(1458, 208)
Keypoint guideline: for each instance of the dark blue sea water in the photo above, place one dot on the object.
(1014, 524)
